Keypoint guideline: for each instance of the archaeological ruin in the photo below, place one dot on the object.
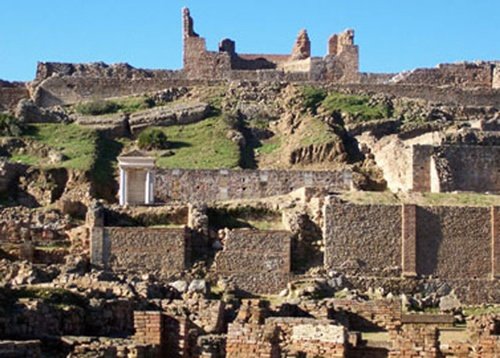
(251, 205)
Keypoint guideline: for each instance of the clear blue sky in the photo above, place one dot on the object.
(393, 35)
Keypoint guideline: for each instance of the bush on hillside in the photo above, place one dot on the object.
(313, 97)
(152, 138)
(96, 108)
(10, 125)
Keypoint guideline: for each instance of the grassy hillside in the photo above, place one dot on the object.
(200, 145)
(76, 143)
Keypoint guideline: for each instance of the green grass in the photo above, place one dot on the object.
(316, 132)
(355, 105)
(269, 146)
(312, 97)
(461, 199)
(423, 199)
(78, 144)
(201, 145)
(481, 310)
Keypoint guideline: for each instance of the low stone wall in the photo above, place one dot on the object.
(316, 338)
(159, 251)
(30, 349)
(256, 261)
(370, 315)
(212, 185)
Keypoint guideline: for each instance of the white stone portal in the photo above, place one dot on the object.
(136, 179)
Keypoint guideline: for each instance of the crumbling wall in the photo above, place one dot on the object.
(159, 251)
(256, 261)
(212, 185)
(468, 168)
(11, 93)
(460, 75)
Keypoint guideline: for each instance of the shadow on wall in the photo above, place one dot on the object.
(103, 178)
(429, 239)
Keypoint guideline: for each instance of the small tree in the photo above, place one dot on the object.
(10, 125)
(152, 138)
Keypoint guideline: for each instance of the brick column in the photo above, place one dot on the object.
(409, 240)
(148, 327)
(495, 242)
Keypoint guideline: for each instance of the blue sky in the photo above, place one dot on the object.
(393, 35)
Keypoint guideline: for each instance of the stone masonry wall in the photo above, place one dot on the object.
(447, 242)
(454, 242)
(363, 238)
(144, 250)
(257, 261)
(11, 93)
(212, 185)
(458, 75)
(469, 168)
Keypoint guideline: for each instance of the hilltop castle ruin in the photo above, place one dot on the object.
(341, 64)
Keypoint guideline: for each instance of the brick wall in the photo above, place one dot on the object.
(257, 261)
(447, 242)
(159, 251)
(252, 341)
(211, 185)
(415, 340)
(167, 332)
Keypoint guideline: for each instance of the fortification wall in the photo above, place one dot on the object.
(59, 90)
(446, 242)
(139, 249)
(256, 261)
(11, 93)
(458, 75)
(212, 185)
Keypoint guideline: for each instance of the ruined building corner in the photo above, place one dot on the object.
(188, 24)
(302, 47)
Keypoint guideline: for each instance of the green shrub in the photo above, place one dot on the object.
(152, 138)
(97, 108)
(355, 105)
(313, 97)
(10, 125)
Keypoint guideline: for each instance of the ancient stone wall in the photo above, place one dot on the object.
(158, 251)
(468, 168)
(448, 242)
(454, 242)
(61, 90)
(252, 341)
(414, 340)
(11, 93)
(20, 349)
(363, 238)
(256, 261)
(380, 314)
(458, 75)
(212, 185)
